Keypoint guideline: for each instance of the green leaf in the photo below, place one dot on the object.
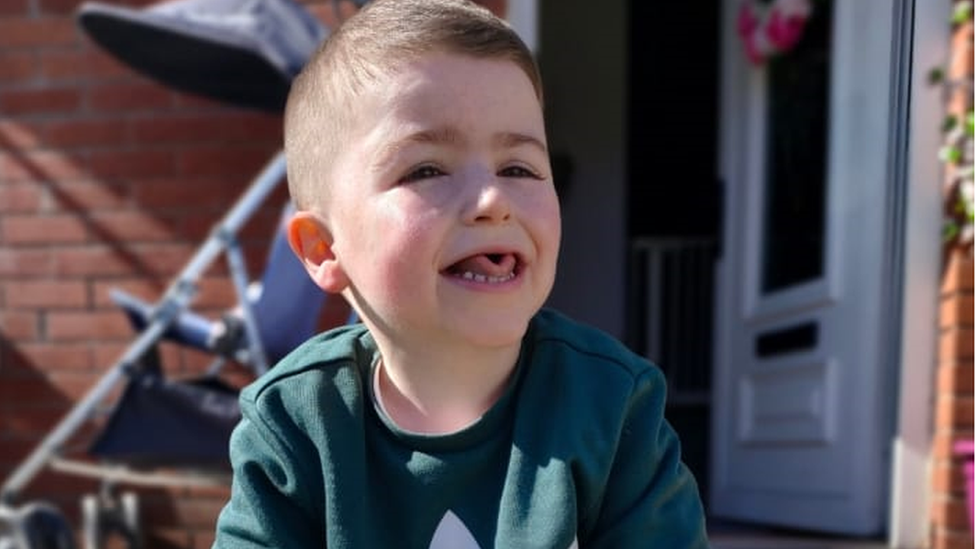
(962, 12)
(949, 123)
(950, 154)
(950, 229)
(936, 75)
(969, 123)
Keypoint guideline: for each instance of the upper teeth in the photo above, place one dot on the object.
(468, 275)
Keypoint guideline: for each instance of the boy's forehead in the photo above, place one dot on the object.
(431, 85)
(442, 99)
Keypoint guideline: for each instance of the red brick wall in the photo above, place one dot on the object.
(954, 405)
(107, 180)
(950, 523)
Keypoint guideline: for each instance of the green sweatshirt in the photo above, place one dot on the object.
(576, 453)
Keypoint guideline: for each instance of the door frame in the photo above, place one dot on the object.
(920, 262)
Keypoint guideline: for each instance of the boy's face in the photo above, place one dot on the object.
(443, 217)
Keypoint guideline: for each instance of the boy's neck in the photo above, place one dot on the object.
(440, 395)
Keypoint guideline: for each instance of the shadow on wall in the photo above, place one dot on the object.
(130, 212)
(32, 401)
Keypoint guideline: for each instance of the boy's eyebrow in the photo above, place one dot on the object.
(509, 140)
(449, 136)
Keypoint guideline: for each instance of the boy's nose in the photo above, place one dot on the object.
(490, 203)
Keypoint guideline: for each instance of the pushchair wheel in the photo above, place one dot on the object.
(101, 517)
(91, 521)
(39, 525)
(131, 517)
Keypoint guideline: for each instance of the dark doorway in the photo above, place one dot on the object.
(673, 205)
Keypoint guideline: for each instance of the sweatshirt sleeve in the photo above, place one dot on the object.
(270, 505)
(651, 498)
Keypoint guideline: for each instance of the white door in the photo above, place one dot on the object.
(799, 405)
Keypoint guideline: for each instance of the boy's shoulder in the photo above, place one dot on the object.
(554, 332)
(336, 348)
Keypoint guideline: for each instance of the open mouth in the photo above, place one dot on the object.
(489, 268)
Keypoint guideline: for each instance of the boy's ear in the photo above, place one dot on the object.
(312, 243)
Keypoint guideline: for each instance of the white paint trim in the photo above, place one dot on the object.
(910, 474)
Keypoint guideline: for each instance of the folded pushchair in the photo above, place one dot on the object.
(242, 52)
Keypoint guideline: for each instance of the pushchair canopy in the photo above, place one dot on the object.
(243, 52)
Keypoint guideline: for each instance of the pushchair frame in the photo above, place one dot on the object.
(176, 299)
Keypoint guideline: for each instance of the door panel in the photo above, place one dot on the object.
(797, 422)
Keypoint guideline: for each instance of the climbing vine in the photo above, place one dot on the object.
(956, 152)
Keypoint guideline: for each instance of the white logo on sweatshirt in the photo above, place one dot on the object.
(451, 533)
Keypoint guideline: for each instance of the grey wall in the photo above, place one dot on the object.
(583, 58)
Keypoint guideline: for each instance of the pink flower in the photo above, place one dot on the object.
(755, 55)
(747, 21)
(771, 29)
(784, 32)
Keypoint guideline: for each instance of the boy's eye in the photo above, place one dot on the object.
(518, 171)
(423, 172)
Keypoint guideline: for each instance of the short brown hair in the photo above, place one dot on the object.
(370, 44)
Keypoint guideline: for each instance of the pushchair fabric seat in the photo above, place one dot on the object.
(243, 52)
(286, 305)
(173, 423)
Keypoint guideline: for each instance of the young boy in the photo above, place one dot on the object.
(460, 413)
